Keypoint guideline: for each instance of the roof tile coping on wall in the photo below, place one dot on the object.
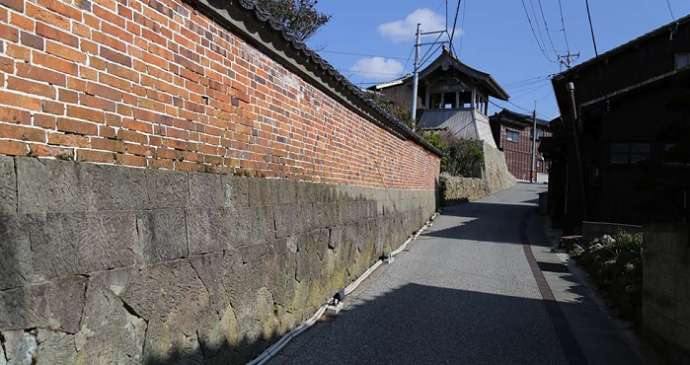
(259, 28)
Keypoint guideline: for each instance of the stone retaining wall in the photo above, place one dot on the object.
(104, 264)
(666, 292)
(457, 189)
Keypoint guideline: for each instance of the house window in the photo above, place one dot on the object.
(682, 60)
(466, 99)
(629, 153)
(436, 101)
(512, 135)
(449, 101)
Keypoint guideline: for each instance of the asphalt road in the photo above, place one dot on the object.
(466, 293)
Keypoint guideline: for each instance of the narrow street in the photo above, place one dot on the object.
(466, 293)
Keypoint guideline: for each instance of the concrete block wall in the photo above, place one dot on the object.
(666, 292)
(106, 264)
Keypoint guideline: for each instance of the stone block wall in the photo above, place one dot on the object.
(496, 172)
(106, 264)
(666, 292)
(458, 189)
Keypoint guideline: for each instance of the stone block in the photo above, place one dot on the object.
(262, 192)
(109, 240)
(21, 347)
(262, 225)
(49, 186)
(102, 339)
(236, 191)
(162, 235)
(286, 222)
(209, 230)
(55, 240)
(16, 258)
(8, 186)
(113, 187)
(69, 243)
(175, 304)
(55, 348)
(167, 189)
(56, 305)
(206, 191)
(287, 191)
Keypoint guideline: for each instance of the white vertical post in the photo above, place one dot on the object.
(534, 144)
(415, 83)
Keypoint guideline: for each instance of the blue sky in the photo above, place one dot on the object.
(493, 36)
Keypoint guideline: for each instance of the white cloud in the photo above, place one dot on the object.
(377, 68)
(404, 30)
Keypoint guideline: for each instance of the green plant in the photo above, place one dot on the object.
(461, 157)
(299, 16)
(615, 265)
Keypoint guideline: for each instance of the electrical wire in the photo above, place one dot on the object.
(455, 23)
(591, 29)
(670, 10)
(534, 33)
(546, 27)
(563, 27)
(462, 26)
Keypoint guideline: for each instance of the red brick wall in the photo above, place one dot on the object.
(155, 84)
(519, 154)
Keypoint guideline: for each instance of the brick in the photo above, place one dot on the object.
(107, 144)
(22, 22)
(62, 8)
(14, 131)
(31, 40)
(41, 74)
(9, 33)
(17, 5)
(67, 53)
(132, 136)
(69, 140)
(44, 121)
(75, 126)
(6, 65)
(95, 156)
(56, 63)
(41, 150)
(116, 57)
(130, 160)
(18, 52)
(53, 107)
(95, 102)
(13, 148)
(47, 16)
(55, 34)
(103, 91)
(83, 113)
(14, 116)
(30, 87)
(18, 100)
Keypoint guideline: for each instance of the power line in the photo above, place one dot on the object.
(591, 29)
(563, 28)
(534, 33)
(670, 10)
(462, 25)
(546, 27)
(455, 23)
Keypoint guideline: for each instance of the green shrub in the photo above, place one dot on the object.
(615, 265)
(461, 157)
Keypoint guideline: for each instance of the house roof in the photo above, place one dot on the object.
(670, 27)
(259, 28)
(446, 58)
(507, 115)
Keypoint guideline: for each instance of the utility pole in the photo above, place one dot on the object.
(568, 59)
(415, 83)
(533, 177)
